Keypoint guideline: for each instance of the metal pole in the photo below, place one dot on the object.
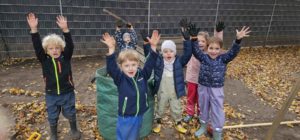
(60, 7)
(216, 18)
(267, 37)
(149, 2)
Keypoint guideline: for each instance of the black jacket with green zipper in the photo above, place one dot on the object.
(57, 72)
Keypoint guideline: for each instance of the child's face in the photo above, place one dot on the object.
(129, 67)
(54, 51)
(127, 39)
(168, 55)
(202, 42)
(214, 50)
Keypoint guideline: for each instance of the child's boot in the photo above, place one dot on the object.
(187, 118)
(217, 135)
(202, 130)
(75, 133)
(157, 128)
(180, 128)
(53, 132)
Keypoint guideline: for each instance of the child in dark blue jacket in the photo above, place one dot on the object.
(131, 82)
(125, 40)
(55, 56)
(169, 80)
(211, 80)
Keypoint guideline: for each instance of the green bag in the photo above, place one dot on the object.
(107, 107)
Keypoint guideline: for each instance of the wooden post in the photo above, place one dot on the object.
(283, 110)
(259, 124)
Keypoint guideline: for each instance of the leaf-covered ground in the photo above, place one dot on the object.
(269, 73)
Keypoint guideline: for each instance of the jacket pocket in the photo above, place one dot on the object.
(124, 105)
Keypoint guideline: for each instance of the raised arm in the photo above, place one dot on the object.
(218, 32)
(196, 51)
(111, 63)
(151, 61)
(118, 33)
(146, 44)
(62, 23)
(133, 35)
(119, 39)
(32, 21)
(187, 46)
(232, 53)
(187, 52)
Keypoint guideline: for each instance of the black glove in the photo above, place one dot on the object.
(128, 25)
(193, 31)
(220, 26)
(119, 23)
(184, 23)
(144, 35)
(185, 34)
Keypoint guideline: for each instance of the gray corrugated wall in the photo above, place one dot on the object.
(87, 20)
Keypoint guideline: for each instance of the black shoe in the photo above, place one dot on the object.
(53, 133)
(75, 133)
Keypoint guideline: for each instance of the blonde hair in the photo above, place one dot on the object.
(128, 54)
(53, 39)
(204, 34)
(216, 40)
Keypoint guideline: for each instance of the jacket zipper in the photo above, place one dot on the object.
(124, 106)
(56, 76)
(146, 100)
(137, 97)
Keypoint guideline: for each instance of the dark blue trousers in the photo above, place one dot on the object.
(64, 103)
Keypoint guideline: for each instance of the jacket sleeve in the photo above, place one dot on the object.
(113, 69)
(147, 49)
(38, 48)
(150, 64)
(187, 52)
(119, 38)
(197, 52)
(133, 36)
(68, 50)
(232, 53)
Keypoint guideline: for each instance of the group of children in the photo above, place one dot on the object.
(203, 55)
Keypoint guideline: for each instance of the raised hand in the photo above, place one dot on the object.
(243, 33)
(32, 22)
(119, 23)
(220, 26)
(184, 26)
(129, 25)
(183, 23)
(185, 34)
(193, 31)
(109, 41)
(155, 37)
(144, 35)
(62, 23)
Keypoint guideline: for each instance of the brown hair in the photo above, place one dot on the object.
(216, 40)
(128, 54)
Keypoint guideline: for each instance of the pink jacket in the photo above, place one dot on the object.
(193, 66)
